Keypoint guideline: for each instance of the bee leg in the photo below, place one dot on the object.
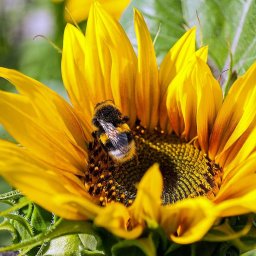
(94, 134)
(90, 145)
(125, 119)
(137, 122)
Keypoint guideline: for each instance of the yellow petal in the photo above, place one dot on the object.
(189, 220)
(147, 89)
(116, 218)
(238, 205)
(38, 183)
(117, 60)
(35, 126)
(16, 114)
(193, 100)
(74, 77)
(148, 199)
(202, 53)
(79, 9)
(97, 59)
(209, 99)
(49, 106)
(83, 206)
(236, 119)
(115, 7)
(243, 148)
(238, 180)
(110, 62)
(175, 60)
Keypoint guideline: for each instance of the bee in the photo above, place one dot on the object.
(113, 132)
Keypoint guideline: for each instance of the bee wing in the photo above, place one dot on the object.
(119, 140)
(121, 143)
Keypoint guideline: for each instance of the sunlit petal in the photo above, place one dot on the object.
(189, 220)
(191, 113)
(147, 90)
(116, 218)
(53, 146)
(176, 59)
(73, 75)
(236, 120)
(148, 199)
(38, 182)
(78, 10)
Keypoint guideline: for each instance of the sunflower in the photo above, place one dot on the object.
(78, 10)
(195, 151)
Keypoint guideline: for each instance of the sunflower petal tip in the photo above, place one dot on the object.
(3, 70)
(137, 14)
(152, 176)
(193, 29)
(155, 168)
(191, 32)
(155, 174)
(68, 27)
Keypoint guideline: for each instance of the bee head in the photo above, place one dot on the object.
(106, 111)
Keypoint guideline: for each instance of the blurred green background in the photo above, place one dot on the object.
(228, 27)
(20, 22)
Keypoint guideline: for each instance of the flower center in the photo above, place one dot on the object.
(187, 171)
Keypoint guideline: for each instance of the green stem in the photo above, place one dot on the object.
(15, 207)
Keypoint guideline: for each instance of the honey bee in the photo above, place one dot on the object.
(113, 132)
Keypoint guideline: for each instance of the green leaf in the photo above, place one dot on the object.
(164, 16)
(225, 249)
(142, 246)
(21, 225)
(227, 27)
(6, 226)
(68, 245)
(40, 218)
(59, 229)
(91, 242)
(160, 239)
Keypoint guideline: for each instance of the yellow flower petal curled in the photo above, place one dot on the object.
(191, 113)
(207, 107)
(189, 220)
(116, 218)
(244, 174)
(175, 60)
(148, 199)
(238, 206)
(236, 120)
